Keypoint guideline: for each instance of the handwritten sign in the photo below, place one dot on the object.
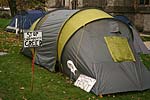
(32, 39)
(84, 82)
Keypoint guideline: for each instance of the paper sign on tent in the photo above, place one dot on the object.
(85, 82)
(33, 39)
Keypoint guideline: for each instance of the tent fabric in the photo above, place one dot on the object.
(76, 21)
(32, 28)
(25, 20)
(119, 48)
(138, 43)
(124, 19)
(88, 51)
(50, 25)
(82, 41)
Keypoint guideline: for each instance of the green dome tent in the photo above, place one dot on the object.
(100, 47)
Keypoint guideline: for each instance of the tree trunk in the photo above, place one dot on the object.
(12, 5)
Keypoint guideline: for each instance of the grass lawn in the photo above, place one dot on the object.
(144, 38)
(4, 22)
(15, 79)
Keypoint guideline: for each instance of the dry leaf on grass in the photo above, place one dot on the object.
(21, 88)
(24, 98)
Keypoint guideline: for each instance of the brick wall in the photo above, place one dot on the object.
(146, 22)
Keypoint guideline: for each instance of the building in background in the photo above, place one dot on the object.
(138, 11)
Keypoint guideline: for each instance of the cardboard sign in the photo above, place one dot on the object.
(32, 39)
(84, 82)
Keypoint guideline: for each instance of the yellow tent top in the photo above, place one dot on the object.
(34, 24)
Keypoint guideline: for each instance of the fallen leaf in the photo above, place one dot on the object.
(58, 82)
(5, 50)
(21, 88)
(67, 78)
(89, 98)
(93, 97)
(108, 95)
(114, 96)
(64, 92)
(24, 98)
(101, 96)
(132, 97)
(139, 98)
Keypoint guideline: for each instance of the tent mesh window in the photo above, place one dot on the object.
(119, 48)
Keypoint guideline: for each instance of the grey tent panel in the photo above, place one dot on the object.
(138, 43)
(46, 55)
(89, 52)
